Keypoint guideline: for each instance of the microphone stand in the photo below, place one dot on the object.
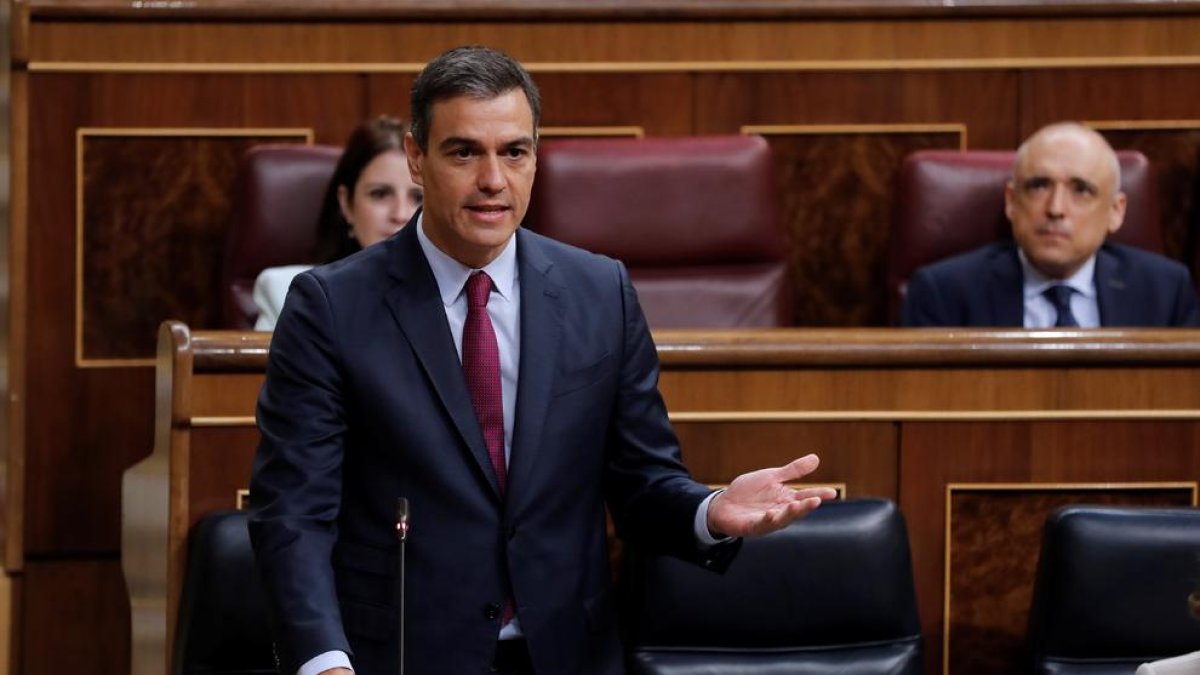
(402, 535)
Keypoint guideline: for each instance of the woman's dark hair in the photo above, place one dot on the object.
(368, 140)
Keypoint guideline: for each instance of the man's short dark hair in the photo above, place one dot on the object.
(474, 71)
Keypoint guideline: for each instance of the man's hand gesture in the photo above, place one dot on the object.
(760, 502)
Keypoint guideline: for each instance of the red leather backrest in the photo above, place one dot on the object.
(276, 203)
(695, 219)
(951, 202)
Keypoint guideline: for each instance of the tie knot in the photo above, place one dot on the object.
(479, 287)
(1060, 295)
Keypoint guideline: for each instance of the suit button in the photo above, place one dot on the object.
(491, 611)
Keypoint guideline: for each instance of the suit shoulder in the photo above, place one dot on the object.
(1139, 258)
(968, 263)
(566, 255)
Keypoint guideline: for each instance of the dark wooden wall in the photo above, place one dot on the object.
(126, 125)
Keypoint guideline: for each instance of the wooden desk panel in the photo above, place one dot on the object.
(1008, 421)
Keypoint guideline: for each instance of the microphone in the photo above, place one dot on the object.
(402, 535)
(402, 518)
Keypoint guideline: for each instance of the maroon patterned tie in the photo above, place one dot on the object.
(481, 362)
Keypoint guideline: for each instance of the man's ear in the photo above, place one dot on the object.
(413, 151)
(1118, 213)
(1009, 191)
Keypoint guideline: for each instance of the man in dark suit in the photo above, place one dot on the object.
(506, 385)
(1058, 272)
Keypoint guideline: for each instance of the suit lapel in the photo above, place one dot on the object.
(1110, 291)
(416, 304)
(1006, 294)
(541, 332)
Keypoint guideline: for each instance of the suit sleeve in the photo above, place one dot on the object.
(923, 306)
(652, 497)
(295, 486)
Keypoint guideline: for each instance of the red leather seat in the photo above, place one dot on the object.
(696, 220)
(276, 203)
(950, 202)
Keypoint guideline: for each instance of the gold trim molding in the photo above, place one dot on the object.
(619, 67)
(813, 129)
(597, 132)
(725, 416)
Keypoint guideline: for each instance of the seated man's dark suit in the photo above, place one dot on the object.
(984, 287)
(365, 401)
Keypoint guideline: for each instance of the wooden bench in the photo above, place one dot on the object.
(975, 434)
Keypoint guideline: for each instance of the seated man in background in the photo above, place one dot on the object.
(1064, 199)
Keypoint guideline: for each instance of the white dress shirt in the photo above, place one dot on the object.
(1040, 312)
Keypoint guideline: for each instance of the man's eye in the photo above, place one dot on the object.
(517, 153)
(1036, 185)
(463, 153)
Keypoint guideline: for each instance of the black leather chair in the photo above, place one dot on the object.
(832, 593)
(1112, 589)
(222, 613)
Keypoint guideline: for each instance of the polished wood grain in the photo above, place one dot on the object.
(59, 634)
(17, 328)
(1173, 148)
(583, 9)
(604, 44)
(152, 248)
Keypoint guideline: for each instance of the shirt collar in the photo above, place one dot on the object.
(1036, 283)
(451, 275)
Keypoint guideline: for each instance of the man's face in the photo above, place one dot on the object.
(477, 173)
(1063, 200)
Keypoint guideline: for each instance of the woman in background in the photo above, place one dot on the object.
(369, 198)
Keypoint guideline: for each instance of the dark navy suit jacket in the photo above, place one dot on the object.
(365, 401)
(984, 287)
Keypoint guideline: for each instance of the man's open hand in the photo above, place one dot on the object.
(760, 502)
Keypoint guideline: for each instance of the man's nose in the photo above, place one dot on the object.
(490, 179)
(1056, 204)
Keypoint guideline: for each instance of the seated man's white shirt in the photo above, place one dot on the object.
(1040, 312)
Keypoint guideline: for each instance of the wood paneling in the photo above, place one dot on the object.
(72, 626)
(862, 456)
(74, 469)
(890, 412)
(154, 215)
(838, 225)
(994, 536)
(933, 43)
(937, 454)
(1174, 150)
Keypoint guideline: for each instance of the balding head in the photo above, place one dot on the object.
(1064, 197)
